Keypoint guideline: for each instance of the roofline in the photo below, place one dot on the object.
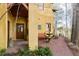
(9, 5)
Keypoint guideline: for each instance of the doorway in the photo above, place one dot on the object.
(8, 29)
(19, 31)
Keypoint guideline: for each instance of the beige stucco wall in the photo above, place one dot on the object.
(46, 16)
(11, 20)
(36, 17)
(3, 26)
(33, 32)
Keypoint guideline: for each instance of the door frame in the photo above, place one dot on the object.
(8, 33)
(23, 29)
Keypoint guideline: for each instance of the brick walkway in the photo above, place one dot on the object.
(76, 53)
(58, 47)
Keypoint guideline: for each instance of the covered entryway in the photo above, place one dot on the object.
(17, 25)
(20, 17)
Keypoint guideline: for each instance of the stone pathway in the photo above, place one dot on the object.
(17, 46)
(58, 47)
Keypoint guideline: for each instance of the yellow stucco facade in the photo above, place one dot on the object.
(3, 26)
(36, 17)
(45, 16)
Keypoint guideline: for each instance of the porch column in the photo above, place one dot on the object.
(3, 26)
(32, 28)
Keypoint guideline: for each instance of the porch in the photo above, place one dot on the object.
(17, 25)
(18, 45)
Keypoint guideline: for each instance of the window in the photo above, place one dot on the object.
(41, 6)
(48, 27)
(20, 28)
(39, 27)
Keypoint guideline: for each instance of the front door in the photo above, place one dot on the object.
(19, 31)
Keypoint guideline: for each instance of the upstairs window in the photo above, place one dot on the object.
(48, 27)
(39, 27)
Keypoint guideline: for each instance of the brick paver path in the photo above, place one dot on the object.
(58, 47)
(76, 53)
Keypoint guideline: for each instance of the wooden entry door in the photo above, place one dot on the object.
(19, 31)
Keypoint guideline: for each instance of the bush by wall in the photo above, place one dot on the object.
(26, 52)
(40, 52)
(2, 52)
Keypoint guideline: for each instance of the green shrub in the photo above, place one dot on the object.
(40, 52)
(23, 52)
(44, 52)
(2, 52)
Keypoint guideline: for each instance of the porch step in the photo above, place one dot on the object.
(21, 44)
(12, 51)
